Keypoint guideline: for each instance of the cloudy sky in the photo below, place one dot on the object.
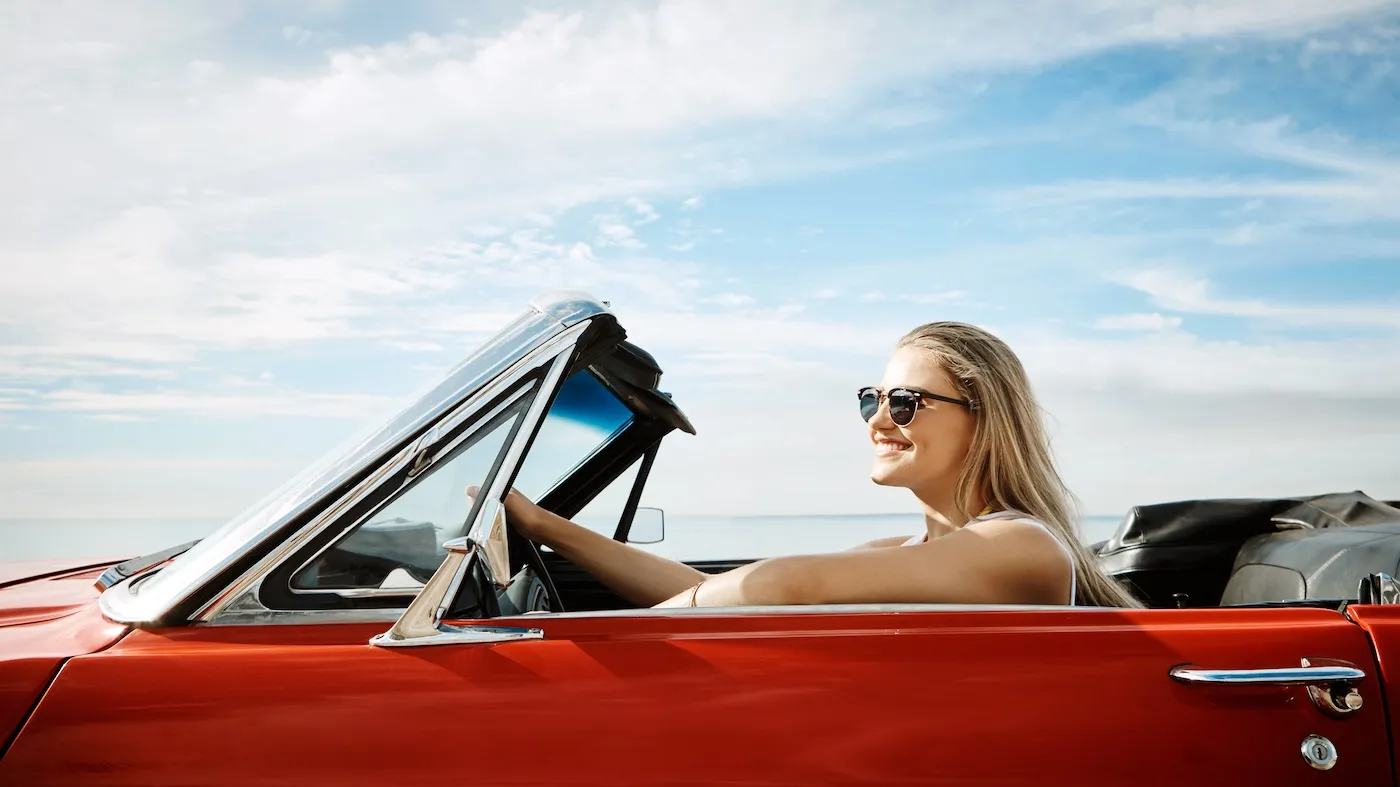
(232, 232)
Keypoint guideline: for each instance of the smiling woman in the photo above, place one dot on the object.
(956, 423)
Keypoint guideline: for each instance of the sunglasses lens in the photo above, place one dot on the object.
(869, 404)
(902, 408)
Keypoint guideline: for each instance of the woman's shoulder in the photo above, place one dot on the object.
(1011, 522)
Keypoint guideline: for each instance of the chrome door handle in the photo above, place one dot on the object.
(1330, 686)
(1286, 676)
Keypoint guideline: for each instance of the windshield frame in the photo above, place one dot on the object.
(151, 597)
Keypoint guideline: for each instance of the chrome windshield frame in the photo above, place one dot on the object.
(551, 327)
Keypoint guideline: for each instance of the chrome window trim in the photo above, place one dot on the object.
(242, 593)
(560, 318)
(304, 617)
(386, 615)
(511, 400)
(793, 609)
(493, 500)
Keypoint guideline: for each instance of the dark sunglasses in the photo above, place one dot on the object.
(904, 402)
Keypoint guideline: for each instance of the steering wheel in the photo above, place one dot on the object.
(531, 588)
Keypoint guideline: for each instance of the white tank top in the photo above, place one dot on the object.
(919, 539)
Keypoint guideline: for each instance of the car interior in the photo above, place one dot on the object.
(1238, 552)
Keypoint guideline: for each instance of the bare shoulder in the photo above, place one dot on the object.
(1025, 542)
(1022, 530)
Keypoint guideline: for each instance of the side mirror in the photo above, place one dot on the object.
(648, 526)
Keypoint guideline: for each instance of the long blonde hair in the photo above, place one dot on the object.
(1009, 464)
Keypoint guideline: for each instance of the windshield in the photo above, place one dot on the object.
(206, 558)
(583, 418)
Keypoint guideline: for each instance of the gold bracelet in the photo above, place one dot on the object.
(695, 591)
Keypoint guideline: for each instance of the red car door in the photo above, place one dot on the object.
(703, 697)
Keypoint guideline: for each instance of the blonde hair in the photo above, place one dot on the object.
(1009, 464)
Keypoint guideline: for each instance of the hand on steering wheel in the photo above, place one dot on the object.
(524, 515)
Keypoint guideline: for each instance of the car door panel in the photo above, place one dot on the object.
(579, 590)
(1045, 697)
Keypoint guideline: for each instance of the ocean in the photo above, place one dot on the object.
(686, 537)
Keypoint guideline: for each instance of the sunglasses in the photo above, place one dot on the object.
(904, 402)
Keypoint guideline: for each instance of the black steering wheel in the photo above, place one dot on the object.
(531, 588)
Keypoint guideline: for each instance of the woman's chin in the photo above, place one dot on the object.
(885, 475)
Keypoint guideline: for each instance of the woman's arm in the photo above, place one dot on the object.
(638, 576)
(995, 562)
(880, 543)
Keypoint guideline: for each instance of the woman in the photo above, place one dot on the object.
(954, 422)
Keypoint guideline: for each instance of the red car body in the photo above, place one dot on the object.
(209, 692)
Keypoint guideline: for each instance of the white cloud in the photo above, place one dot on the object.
(356, 407)
(160, 210)
(1137, 322)
(646, 214)
(615, 233)
(730, 300)
(301, 36)
(923, 298)
(1193, 189)
(108, 488)
(176, 180)
(1180, 292)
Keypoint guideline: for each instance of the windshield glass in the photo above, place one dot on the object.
(583, 418)
(198, 564)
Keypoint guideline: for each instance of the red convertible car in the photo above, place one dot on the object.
(369, 623)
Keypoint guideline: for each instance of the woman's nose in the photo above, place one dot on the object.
(881, 419)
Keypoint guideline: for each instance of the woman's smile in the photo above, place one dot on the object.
(887, 446)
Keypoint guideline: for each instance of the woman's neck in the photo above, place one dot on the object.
(942, 514)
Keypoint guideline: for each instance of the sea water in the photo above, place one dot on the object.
(687, 537)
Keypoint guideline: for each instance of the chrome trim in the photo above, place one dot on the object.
(1378, 588)
(482, 531)
(421, 624)
(810, 609)
(304, 617)
(239, 591)
(1319, 752)
(1285, 676)
(404, 592)
(1338, 700)
(569, 307)
(389, 614)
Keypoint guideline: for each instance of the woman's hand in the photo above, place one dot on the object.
(529, 519)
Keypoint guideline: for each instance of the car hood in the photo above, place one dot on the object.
(40, 590)
(48, 614)
(14, 572)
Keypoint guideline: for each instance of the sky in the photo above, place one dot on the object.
(232, 233)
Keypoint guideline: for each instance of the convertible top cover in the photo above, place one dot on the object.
(1188, 553)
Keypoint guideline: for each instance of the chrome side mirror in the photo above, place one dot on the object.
(421, 624)
(648, 526)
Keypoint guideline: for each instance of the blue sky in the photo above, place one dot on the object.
(234, 232)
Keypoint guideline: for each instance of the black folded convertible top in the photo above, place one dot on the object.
(1181, 553)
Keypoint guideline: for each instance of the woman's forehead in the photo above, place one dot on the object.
(916, 368)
